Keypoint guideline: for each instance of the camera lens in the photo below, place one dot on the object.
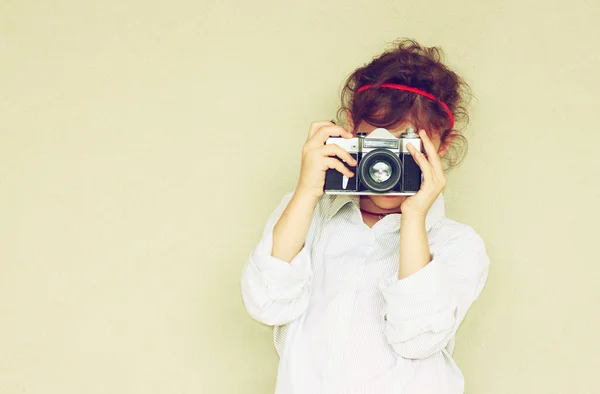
(381, 171)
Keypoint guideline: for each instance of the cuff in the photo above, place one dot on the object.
(421, 302)
(282, 280)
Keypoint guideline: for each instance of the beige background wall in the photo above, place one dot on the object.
(144, 143)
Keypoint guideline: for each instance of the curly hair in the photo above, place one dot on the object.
(409, 63)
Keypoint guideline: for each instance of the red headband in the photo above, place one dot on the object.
(414, 90)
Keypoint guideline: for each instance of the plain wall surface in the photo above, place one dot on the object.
(143, 145)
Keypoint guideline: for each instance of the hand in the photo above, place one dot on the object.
(433, 182)
(317, 157)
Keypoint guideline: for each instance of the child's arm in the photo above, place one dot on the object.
(430, 295)
(291, 229)
(414, 247)
(276, 280)
(424, 310)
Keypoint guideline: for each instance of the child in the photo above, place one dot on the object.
(366, 293)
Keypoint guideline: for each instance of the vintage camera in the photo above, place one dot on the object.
(385, 166)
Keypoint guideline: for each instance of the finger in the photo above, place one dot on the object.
(331, 131)
(432, 154)
(315, 126)
(325, 132)
(422, 162)
(335, 164)
(336, 150)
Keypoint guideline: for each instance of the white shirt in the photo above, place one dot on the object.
(343, 321)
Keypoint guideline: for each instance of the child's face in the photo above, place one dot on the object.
(391, 203)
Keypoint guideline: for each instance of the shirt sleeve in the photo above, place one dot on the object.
(424, 310)
(274, 291)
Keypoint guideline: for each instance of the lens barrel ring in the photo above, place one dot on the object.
(373, 157)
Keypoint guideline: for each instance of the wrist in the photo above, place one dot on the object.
(413, 217)
(307, 193)
(413, 223)
(305, 197)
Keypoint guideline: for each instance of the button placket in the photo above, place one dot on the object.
(341, 308)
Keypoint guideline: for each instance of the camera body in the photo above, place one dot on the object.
(385, 166)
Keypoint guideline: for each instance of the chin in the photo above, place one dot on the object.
(384, 202)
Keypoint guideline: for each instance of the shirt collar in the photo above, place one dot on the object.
(435, 214)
